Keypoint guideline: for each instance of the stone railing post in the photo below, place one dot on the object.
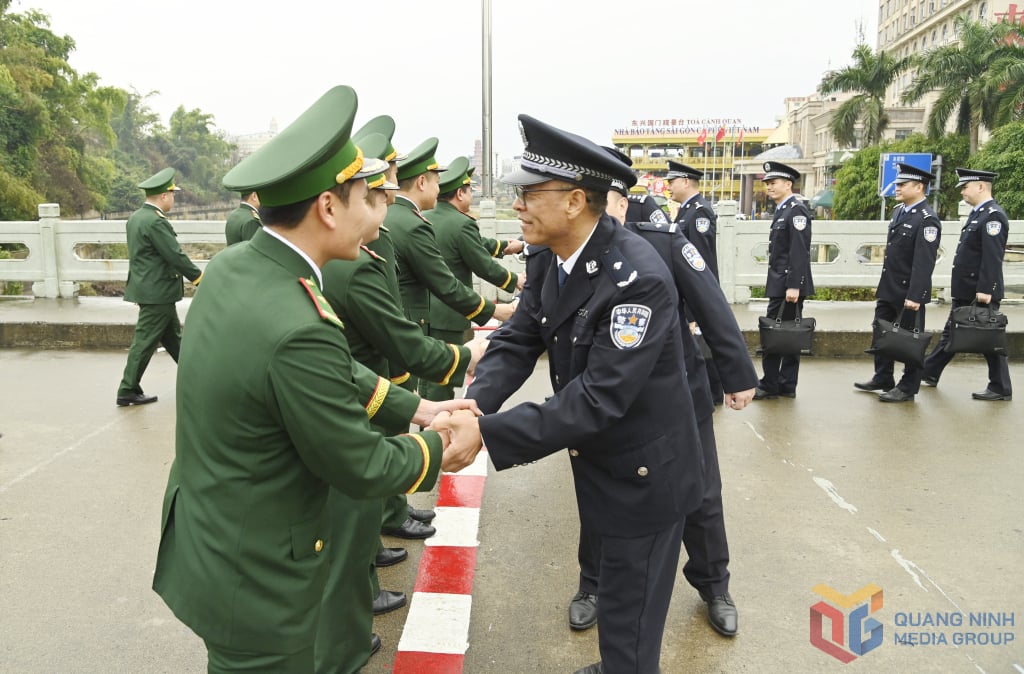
(49, 287)
(727, 252)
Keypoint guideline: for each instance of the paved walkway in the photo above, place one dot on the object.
(923, 500)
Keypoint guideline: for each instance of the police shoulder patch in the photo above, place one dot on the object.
(629, 325)
(323, 307)
(993, 227)
(799, 222)
(659, 217)
(703, 225)
(931, 234)
(693, 257)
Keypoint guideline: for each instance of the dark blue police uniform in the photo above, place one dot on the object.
(615, 352)
(977, 268)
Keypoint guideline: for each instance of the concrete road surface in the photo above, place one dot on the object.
(923, 500)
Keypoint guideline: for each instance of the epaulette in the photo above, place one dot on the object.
(638, 198)
(530, 249)
(323, 307)
(621, 271)
(420, 216)
(666, 227)
(372, 254)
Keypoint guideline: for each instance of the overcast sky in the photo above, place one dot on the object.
(589, 66)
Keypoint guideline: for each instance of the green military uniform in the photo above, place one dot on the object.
(422, 271)
(458, 239)
(272, 411)
(242, 223)
(156, 265)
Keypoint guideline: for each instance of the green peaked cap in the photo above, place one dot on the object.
(160, 182)
(385, 126)
(313, 154)
(376, 145)
(420, 160)
(458, 174)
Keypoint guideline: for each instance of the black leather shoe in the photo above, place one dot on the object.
(374, 644)
(412, 530)
(135, 399)
(421, 515)
(390, 557)
(722, 614)
(583, 611)
(895, 395)
(596, 668)
(930, 381)
(787, 394)
(388, 601)
(989, 394)
(761, 394)
(871, 386)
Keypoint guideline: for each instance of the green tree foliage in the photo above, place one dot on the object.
(962, 72)
(869, 77)
(66, 139)
(1004, 154)
(856, 190)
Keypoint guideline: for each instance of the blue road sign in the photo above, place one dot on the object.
(887, 169)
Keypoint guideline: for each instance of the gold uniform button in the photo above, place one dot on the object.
(318, 546)
(574, 452)
(642, 471)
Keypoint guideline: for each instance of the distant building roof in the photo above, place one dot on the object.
(783, 152)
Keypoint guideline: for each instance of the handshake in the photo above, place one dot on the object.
(457, 423)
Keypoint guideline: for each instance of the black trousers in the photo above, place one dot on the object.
(884, 367)
(998, 365)
(781, 372)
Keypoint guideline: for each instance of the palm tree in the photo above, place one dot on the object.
(1008, 75)
(963, 75)
(869, 76)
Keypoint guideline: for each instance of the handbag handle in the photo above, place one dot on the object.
(981, 313)
(778, 316)
(917, 319)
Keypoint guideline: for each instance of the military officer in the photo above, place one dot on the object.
(458, 239)
(380, 337)
(156, 265)
(789, 273)
(600, 302)
(399, 518)
(244, 221)
(267, 423)
(423, 275)
(698, 223)
(977, 277)
(701, 298)
(906, 282)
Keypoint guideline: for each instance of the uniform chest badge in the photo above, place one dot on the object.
(799, 222)
(931, 233)
(993, 228)
(629, 324)
(693, 257)
(658, 217)
(591, 267)
(703, 225)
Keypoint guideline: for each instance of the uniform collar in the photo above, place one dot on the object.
(407, 202)
(155, 208)
(570, 262)
(982, 205)
(302, 254)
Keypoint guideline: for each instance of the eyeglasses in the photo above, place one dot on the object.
(520, 192)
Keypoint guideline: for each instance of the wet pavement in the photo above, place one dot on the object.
(923, 500)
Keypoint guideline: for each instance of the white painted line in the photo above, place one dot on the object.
(477, 468)
(914, 569)
(754, 431)
(43, 464)
(456, 527)
(833, 494)
(437, 623)
(876, 535)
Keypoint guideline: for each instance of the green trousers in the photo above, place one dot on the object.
(222, 660)
(158, 324)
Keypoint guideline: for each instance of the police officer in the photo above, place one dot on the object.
(977, 277)
(156, 266)
(266, 423)
(600, 303)
(698, 223)
(701, 298)
(458, 239)
(906, 282)
(244, 221)
(789, 273)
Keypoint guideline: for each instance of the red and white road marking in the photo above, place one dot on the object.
(436, 633)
